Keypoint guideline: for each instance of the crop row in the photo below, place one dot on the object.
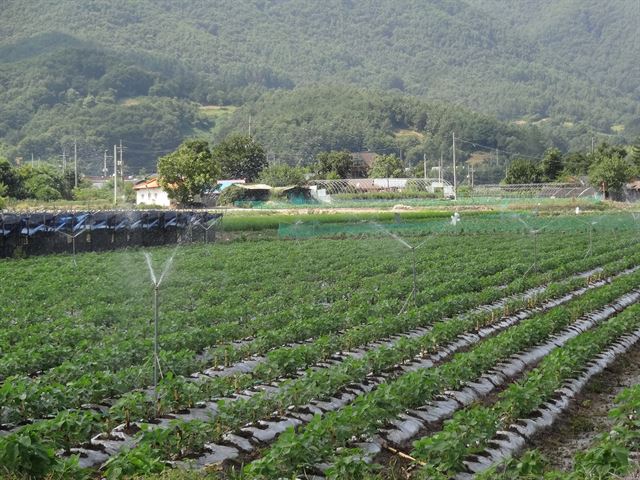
(43, 397)
(414, 422)
(441, 334)
(294, 452)
(371, 368)
(470, 430)
(197, 325)
(182, 437)
(610, 456)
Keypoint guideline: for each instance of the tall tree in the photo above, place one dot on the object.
(386, 166)
(282, 175)
(334, 164)
(635, 153)
(523, 171)
(44, 183)
(9, 178)
(188, 171)
(576, 163)
(551, 164)
(240, 156)
(610, 173)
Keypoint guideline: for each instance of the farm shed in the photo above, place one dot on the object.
(294, 193)
(255, 192)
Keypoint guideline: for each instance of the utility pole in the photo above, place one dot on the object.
(75, 162)
(440, 168)
(455, 182)
(64, 160)
(104, 167)
(115, 175)
(592, 145)
(121, 163)
(472, 176)
(425, 165)
(249, 125)
(31, 159)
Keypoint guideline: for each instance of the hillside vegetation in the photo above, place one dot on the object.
(567, 63)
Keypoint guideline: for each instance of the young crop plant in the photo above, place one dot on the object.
(469, 430)
(323, 382)
(608, 457)
(270, 338)
(53, 396)
(318, 441)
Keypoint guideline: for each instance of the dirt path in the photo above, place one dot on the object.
(587, 416)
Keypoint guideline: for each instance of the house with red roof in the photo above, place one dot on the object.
(150, 192)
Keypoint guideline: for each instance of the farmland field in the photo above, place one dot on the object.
(410, 351)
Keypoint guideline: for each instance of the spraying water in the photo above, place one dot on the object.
(412, 249)
(167, 265)
(157, 371)
(72, 236)
(205, 226)
(590, 226)
(534, 232)
(152, 272)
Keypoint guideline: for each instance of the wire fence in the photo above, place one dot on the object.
(459, 224)
(416, 192)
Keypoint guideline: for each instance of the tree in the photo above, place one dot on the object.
(386, 166)
(611, 173)
(239, 156)
(523, 171)
(576, 163)
(44, 183)
(282, 175)
(9, 178)
(635, 153)
(334, 164)
(551, 164)
(188, 171)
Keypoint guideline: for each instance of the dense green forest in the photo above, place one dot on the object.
(297, 125)
(100, 71)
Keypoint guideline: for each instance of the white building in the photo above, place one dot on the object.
(149, 192)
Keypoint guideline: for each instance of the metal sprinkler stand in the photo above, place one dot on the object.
(156, 359)
(413, 255)
(589, 252)
(535, 250)
(413, 249)
(156, 282)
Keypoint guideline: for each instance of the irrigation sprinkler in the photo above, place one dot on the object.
(208, 226)
(534, 232)
(156, 282)
(590, 249)
(535, 249)
(590, 224)
(412, 249)
(72, 236)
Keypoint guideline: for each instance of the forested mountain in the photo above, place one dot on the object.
(296, 125)
(102, 70)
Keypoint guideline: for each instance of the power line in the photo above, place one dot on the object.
(150, 152)
(493, 149)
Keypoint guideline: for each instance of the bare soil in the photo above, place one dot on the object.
(587, 416)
